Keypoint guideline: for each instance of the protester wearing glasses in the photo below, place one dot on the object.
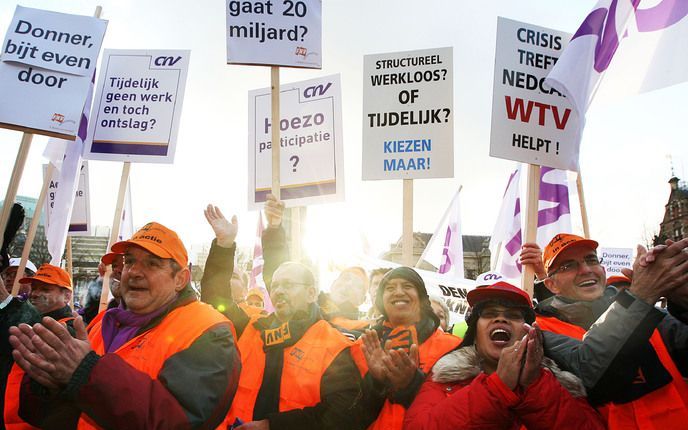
(499, 378)
(637, 358)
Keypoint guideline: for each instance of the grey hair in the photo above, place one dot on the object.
(439, 300)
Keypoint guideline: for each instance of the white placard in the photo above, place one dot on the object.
(48, 59)
(80, 222)
(615, 259)
(281, 33)
(138, 105)
(408, 116)
(311, 155)
(531, 122)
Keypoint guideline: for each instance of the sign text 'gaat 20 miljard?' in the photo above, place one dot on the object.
(278, 33)
(311, 154)
(408, 120)
(48, 59)
(531, 122)
(138, 105)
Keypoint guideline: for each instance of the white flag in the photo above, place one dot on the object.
(445, 248)
(624, 47)
(554, 216)
(70, 170)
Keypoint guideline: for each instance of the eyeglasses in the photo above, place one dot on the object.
(509, 313)
(573, 266)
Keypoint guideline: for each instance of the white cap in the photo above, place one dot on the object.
(14, 262)
(489, 278)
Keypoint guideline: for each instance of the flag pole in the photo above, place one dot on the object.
(532, 201)
(583, 209)
(114, 233)
(31, 235)
(407, 235)
(13, 186)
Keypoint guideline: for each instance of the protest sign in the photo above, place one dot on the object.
(615, 259)
(138, 105)
(408, 122)
(452, 290)
(531, 122)
(48, 59)
(80, 221)
(284, 33)
(311, 162)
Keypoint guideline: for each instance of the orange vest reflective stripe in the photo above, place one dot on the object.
(14, 379)
(663, 409)
(391, 416)
(305, 362)
(148, 351)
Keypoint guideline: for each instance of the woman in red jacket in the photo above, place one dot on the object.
(499, 377)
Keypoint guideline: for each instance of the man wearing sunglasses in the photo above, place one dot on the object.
(644, 385)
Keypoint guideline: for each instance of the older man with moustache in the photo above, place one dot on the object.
(160, 360)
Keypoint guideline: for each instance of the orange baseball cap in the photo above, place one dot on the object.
(617, 279)
(158, 240)
(52, 275)
(561, 242)
(110, 257)
(255, 292)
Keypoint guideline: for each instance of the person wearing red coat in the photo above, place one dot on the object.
(499, 378)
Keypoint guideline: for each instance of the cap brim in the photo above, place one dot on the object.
(121, 247)
(110, 257)
(478, 295)
(44, 280)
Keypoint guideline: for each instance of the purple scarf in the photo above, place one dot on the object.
(120, 325)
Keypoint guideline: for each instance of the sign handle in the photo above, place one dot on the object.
(114, 233)
(407, 235)
(12, 187)
(275, 106)
(583, 209)
(70, 267)
(296, 250)
(532, 201)
(31, 235)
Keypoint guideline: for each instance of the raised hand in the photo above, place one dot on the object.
(510, 360)
(668, 271)
(274, 209)
(532, 366)
(225, 231)
(532, 254)
(401, 366)
(374, 355)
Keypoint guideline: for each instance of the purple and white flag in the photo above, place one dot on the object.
(554, 216)
(70, 169)
(445, 248)
(634, 45)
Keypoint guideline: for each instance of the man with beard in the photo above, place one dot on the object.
(51, 290)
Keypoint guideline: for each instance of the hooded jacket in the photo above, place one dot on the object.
(458, 394)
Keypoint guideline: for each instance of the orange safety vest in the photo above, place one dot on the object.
(305, 362)
(14, 380)
(663, 409)
(251, 310)
(148, 351)
(391, 416)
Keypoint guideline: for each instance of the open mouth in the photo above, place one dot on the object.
(588, 283)
(500, 337)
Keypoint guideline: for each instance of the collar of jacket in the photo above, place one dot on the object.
(185, 296)
(463, 364)
(59, 314)
(578, 312)
(276, 334)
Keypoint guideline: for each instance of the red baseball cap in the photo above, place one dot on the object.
(561, 242)
(499, 290)
(110, 257)
(52, 275)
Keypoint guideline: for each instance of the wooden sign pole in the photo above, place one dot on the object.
(12, 187)
(275, 105)
(532, 201)
(407, 232)
(31, 235)
(583, 209)
(114, 233)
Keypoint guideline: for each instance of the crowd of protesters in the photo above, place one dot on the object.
(589, 353)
